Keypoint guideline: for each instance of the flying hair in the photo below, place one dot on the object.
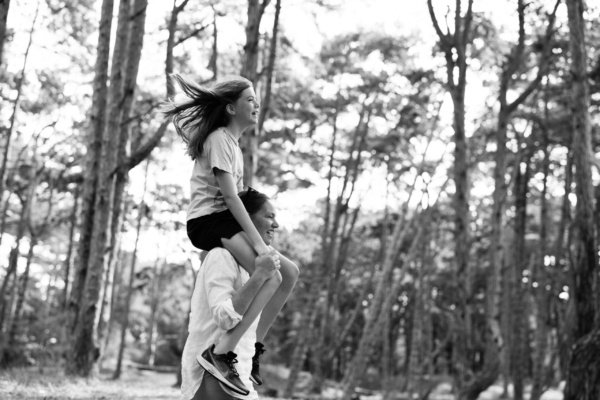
(196, 111)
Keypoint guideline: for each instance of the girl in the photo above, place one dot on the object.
(211, 121)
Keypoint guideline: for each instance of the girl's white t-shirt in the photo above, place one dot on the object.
(221, 150)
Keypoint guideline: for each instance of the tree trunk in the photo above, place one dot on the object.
(130, 72)
(541, 299)
(518, 354)
(18, 89)
(69, 256)
(22, 289)
(213, 65)
(4, 6)
(20, 233)
(583, 376)
(266, 103)
(125, 320)
(154, 299)
(84, 348)
(332, 247)
(468, 383)
(583, 379)
(586, 259)
(381, 303)
(94, 146)
(249, 140)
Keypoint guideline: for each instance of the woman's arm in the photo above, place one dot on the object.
(235, 205)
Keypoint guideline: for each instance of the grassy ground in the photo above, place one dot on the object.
(50, 383)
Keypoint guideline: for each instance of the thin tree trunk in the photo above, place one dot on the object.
(214, 57)
(249, 141)
(21, 294)
(541, 298)
(14, 252)
(382, 302)
(518, 354)
(153, 320)
(266, 103)
(4, 6)
(125, 320)
(19, 89)
(69, 256)
(116, 271)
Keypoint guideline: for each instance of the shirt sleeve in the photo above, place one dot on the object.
(221, 275)
(219, 152)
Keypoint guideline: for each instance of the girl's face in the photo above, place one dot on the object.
(265, 222)
(246, 107)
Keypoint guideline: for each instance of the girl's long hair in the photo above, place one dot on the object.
(202, 109)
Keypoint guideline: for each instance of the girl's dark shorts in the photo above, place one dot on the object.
(206, 231)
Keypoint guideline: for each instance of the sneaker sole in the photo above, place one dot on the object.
(254, 381)
(211, 369)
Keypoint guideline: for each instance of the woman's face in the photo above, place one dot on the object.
(265, 222)
(247, 107)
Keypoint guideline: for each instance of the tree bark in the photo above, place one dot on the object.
(154, 299)
(586, 259)
(70, 245)
(125, 320)
(20, 233)
(94, 146)
(22, 289)
(382, 300)
(134, 47)
(583, 378)
(18, 88)
(266, 103)
(468, 383)
(249, 140)
(518, 354)
(541, 298)
(84, 350)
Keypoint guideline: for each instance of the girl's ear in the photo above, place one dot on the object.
(230, 109)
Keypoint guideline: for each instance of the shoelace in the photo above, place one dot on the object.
(230, 360)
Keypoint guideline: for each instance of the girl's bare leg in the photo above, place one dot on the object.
(240, 248)
(289, 276)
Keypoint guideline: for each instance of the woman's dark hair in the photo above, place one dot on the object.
(202, 110)
(253, 200)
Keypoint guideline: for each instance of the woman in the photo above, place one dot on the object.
(222, 295)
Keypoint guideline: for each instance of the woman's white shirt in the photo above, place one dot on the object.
(211, 315)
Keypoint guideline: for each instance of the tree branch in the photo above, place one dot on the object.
(443, 37)
(542, 64)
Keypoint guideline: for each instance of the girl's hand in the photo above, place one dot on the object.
(267, 264)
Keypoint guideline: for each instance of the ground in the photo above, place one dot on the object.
(49, 383)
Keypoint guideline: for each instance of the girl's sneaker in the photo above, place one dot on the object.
(221, 367)
(255, 377)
